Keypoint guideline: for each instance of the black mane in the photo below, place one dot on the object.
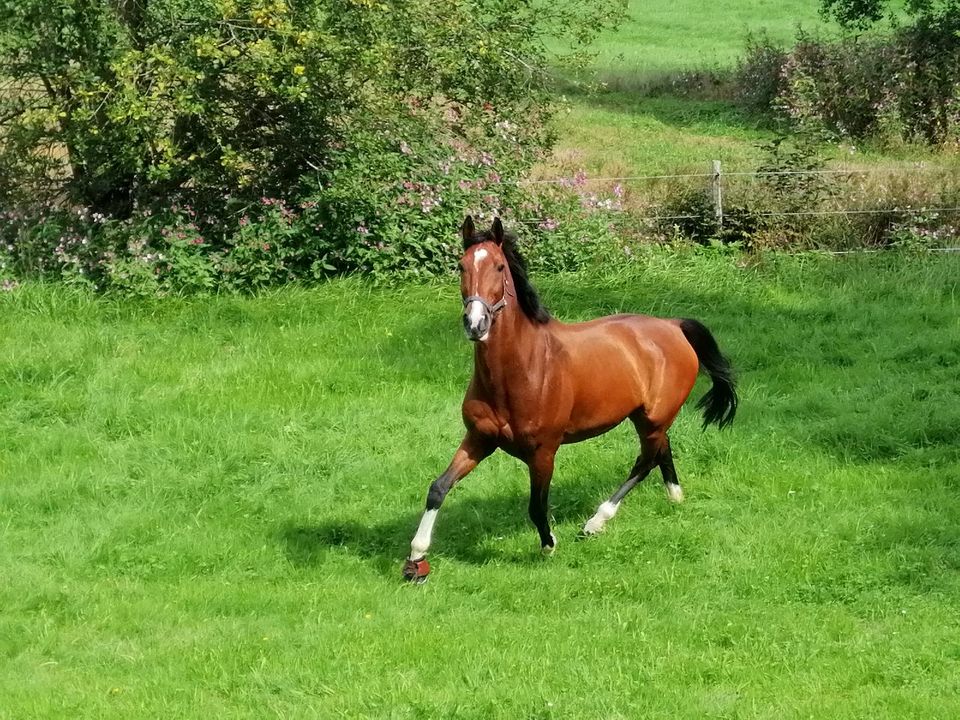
(526, 293)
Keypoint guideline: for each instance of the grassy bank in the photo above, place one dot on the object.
(204, 506)
(623, 130)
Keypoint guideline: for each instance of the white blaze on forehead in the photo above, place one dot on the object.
(478, 257)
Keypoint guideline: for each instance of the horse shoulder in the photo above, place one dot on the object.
(480, 416)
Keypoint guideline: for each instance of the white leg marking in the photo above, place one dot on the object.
(548, 549)
(421, 541)
(674, 492)
(595, 524)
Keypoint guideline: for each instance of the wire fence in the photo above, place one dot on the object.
(715, 179)
(916, 168)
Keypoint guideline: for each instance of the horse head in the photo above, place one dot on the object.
(484, 278)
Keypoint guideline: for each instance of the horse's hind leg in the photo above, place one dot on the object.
(654, 450)
(670, 482)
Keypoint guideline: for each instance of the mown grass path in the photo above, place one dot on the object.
(204, 506)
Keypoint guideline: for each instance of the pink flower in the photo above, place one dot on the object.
(266, 247)
(362, 229)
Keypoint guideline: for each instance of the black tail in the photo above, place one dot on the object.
(719, 405)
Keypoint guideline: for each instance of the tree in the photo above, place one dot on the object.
(860, 14)
(113, 104)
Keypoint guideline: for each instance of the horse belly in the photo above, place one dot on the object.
(604, 403)
(575, 436)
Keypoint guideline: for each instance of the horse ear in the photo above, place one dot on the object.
(497, 231)
(467, 230)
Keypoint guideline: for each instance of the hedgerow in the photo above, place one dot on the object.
(181, 145)
(899, 87)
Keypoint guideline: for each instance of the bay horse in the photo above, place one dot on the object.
(539, 383)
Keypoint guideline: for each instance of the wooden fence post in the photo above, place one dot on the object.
(717, 193)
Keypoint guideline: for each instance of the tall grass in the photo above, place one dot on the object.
(204, 505)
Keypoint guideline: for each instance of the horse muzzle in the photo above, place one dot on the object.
(476, 321)
(478, 316)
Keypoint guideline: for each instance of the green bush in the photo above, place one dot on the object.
(572, 226)
(759, 80)
(343, 135)
(563, 226)
(904, 87)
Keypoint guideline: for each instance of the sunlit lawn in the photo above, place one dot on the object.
(204, 507)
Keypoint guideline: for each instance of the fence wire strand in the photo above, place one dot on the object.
(737, 173)
(580, 181)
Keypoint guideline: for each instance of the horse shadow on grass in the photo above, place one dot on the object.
(469, 529)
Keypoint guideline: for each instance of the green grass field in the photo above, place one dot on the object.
(623, 131)
(661, 38)
(204, 507)
(639, 124)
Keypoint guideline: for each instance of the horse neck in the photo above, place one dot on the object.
(507, 353)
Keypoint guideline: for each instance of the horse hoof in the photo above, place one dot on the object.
(591, 528)
(547, 550)
(596, 524)
(416, 571)
(674, 493)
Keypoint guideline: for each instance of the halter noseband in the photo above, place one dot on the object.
(491, 309)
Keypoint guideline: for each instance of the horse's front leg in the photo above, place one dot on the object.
(472, 450)
(541, 473)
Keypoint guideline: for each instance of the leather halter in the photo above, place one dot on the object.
(491, 309)
(496, 307)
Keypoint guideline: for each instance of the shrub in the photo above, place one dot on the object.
(904, 87)
(759, 79)
(573, 223)
(357, 119)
